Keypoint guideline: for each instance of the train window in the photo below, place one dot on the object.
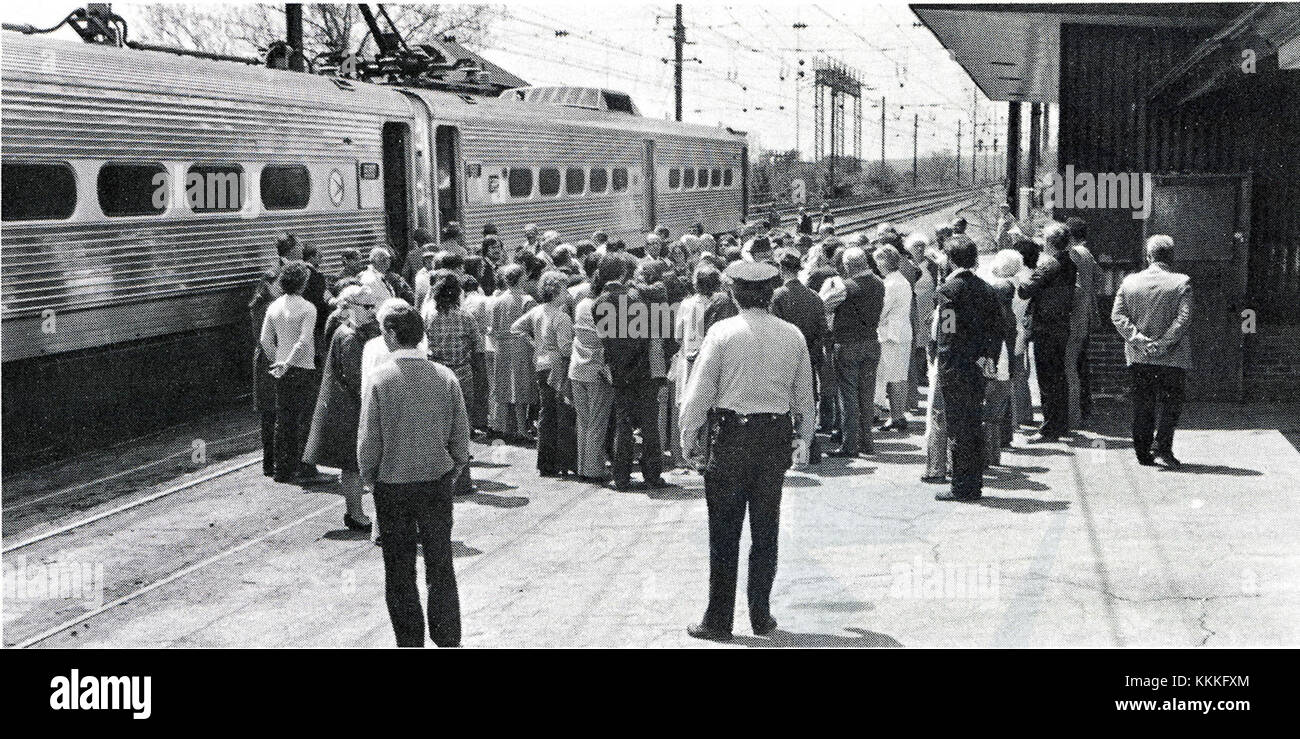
(520, 181)
(726, 177)
(548, 181)
(599, 180)
(716, 178)
(285, 187)
(132, 189)
(674, 178)
(575, 180)
(620, 179)
(688, 180)
(37, 192)
(703, 179)
(215, 188)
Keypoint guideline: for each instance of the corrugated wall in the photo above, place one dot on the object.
(1106, 126)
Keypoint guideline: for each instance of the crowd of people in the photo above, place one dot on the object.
(389, 368)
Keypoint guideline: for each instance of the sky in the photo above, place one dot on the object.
(746, 76)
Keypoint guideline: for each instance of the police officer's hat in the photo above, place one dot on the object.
(742, 271)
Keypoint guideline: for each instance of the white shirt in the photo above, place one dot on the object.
(374, 279)
(896, 316)
(289, 332)
(423, 284)
(375, 354)
(750, 363)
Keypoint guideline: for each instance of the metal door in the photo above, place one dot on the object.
(649, 221)
(1208, 217)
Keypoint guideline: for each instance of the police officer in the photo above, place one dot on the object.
(749, 398)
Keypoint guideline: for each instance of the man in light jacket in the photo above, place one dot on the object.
(1152, 311)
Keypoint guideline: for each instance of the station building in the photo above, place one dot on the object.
(1202, 97)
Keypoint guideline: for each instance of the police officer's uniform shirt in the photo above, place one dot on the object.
(750, 363)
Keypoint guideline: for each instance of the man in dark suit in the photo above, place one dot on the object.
(1050, 292)
(795, 302)
(317, 293)
(968, 336)
(412, 446)
(628, 355)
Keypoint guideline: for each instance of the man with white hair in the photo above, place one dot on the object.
(857, 307)
(1152, 311)
(380, 278)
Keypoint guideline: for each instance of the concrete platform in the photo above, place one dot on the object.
(1073, 545)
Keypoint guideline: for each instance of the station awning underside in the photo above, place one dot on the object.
(1012, 51)
(1267, 36)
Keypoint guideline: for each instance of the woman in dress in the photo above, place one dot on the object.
(550, 330)
(513, 384)
(895, 333)
(333, 438)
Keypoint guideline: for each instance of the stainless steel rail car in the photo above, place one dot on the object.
(106, 243)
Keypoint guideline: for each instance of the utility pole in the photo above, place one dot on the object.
(882, 137)
(1031, 177)
(293, 36)
(916, 126)
(679, 40)
(958, 168)
(1013, 154)
(798, 76)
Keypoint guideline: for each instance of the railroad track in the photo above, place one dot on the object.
(858, 217)
(853, 216)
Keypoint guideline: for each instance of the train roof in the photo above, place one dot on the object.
(40, 60)
(28, 59)
(469, 108)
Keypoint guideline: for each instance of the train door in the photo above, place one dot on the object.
(649, 220)
(397, 212)
(1208, 217)
(744, 183)
(447, 174)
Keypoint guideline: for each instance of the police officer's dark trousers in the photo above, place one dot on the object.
(748, 457)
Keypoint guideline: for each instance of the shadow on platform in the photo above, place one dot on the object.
(346, 535)
(461, 549)
(483, 496)
(1022, 505)
(1212, 469)
(1011, 479)
(863, 639)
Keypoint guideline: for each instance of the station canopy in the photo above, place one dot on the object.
(1012, 51)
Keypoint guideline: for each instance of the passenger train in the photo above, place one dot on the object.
(94, 261)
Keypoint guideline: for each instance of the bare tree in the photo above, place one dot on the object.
(328, 29)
